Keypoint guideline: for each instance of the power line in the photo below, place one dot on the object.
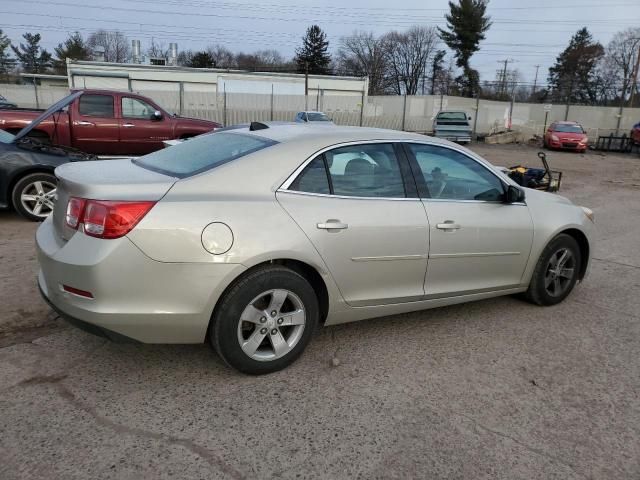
(410, 20)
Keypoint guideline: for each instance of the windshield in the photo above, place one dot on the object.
(2, 98)
(317, 117)
(568, 129)
(202, 153)
(452, 116)
(6, 137)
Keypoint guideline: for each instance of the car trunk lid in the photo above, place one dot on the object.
(105, 180)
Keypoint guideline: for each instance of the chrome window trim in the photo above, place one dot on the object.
(328, 195)
(284, 187)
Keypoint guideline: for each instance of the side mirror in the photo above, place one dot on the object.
(469, 117)
(157, 115)
(513, 194)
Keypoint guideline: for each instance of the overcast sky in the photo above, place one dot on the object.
(528, 32)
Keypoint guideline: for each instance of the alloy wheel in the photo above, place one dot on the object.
(39, 197)
(560, 272)
(271, 325)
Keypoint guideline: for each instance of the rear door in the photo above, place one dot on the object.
(94, 127)
(478, 242)
(358, 205)
(140, 132)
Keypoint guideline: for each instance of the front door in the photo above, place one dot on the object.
(140, 132)
(353, 205)
(95, 128)
(478, 242)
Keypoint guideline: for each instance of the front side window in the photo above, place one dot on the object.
(451, 175)
(136, 108)
(96, 105)
(354, 171)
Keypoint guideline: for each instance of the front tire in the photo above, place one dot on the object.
(556, 272)
(265, 321)
(34, 196)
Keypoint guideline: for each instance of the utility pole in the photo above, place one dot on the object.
(535, 80)
(503, 76)
(635, 78)
(306, 86)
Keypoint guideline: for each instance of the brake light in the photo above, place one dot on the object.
(105, 218)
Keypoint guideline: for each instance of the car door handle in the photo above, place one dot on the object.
(128, 125)
(85, 124)
(448, 225)
(332, 225)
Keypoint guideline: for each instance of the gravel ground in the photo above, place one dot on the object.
(493, 389)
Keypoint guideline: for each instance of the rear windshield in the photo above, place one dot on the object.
(452, 116)
(202, 153)
(563, 128)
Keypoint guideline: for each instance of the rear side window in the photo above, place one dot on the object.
(202, 153)
(96, 105)
(369, 170)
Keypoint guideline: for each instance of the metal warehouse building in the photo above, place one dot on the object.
(211, 92)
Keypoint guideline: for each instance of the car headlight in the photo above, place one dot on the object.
(555, 138)
(584, 140)
(589, 214)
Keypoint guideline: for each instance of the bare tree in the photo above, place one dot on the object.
(409, 55)
(222, 56)
(115, 44)
(364, 55)
(157, 50)
(619, 60)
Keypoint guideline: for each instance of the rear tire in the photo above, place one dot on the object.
(556, 272)
(34, 196)
(264, 322)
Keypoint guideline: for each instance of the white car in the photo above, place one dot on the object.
(250, 238)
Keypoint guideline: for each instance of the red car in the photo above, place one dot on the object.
(106, 122)
(566, 136)
(635, 134)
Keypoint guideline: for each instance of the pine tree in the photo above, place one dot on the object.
(73, 47)
(466, 25)
(573, 77)
(312, 57)
(202, 60)
(6, 62)
(33, 58)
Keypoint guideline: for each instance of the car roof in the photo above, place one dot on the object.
(566, 122)
(301, 132)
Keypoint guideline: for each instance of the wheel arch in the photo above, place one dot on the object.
(23, 173)
(309, 272)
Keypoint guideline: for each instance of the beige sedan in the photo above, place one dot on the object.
(252, 237)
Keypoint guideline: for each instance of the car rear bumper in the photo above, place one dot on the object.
(134, 297)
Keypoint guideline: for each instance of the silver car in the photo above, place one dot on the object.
(251, 238)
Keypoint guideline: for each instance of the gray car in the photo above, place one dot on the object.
(251, 238)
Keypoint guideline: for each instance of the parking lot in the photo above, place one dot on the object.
(493, 389)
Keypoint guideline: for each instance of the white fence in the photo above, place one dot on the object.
(411, 113)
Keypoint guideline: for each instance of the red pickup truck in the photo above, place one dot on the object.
(106, 122)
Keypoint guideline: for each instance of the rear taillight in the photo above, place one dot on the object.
(105, 218)
(75, 207)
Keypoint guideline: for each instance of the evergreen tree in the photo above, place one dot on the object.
(313, 56)
(73, 47)
(466, 25)
(573, 77)
(202, 60)
(6, 62)
(32, 58)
